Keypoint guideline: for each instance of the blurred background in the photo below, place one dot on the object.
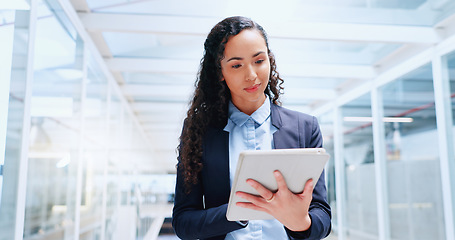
(93, 94)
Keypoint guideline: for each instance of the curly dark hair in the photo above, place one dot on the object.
(209, 106)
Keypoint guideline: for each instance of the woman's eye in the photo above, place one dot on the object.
(236, 66)
(260, 61)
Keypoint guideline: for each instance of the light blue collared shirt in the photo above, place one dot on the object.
(253, 132)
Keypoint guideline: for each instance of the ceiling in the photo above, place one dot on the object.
(323, 48)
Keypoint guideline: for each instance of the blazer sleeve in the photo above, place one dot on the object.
(189, 218)
(319, 210)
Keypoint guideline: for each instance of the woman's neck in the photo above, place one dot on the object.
(251, 107)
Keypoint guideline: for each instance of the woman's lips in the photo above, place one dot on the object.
(252, 88)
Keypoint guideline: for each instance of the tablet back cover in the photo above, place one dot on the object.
(296, 165)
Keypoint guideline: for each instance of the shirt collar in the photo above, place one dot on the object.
(239, 118)
(262, 113)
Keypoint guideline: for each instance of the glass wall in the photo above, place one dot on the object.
(6, 48)
(80, 141)
(448, 67)
(113, 171)
(326, 125)
(54, 146)
(14, 38)
(414, 184)
(359, 169)
(413, 168)
(95, 147)
(451, 68)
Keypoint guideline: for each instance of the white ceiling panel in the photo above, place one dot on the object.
(183, 25)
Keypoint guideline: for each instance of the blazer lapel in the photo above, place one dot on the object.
(279, 135)
(216, 167)
(287, 134)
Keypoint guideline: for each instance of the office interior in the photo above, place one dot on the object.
(93, 94)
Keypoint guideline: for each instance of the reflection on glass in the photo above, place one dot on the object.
(451, 66)
(6, 47)
(113, 178)
(55, 131)
(95, 143)
(14, 40)
(413, 168)
(360, 170)
(326, 125)
(12, 157)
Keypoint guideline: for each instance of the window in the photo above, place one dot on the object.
(413, 168)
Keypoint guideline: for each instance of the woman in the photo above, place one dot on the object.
(235, 108)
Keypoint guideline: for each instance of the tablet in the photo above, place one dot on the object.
(297, 166)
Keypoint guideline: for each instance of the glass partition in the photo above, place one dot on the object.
(113, 171)
(451, 70)
(6, 48)
(11, 115)
(54, 147)
(413, 168)
(80, 136)
(95, 143)
(358, 152)
(448, 69)
(326, 125)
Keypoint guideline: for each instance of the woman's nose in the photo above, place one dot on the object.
(251, 74)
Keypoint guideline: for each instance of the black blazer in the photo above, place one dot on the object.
(201, 214)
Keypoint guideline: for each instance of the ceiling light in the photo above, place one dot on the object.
(385, 119)
(398, 119)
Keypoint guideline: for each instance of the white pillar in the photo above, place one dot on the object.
(106, 165)
(444, 122)
(25, 20)
(81, 62)
(380, 164)
(340, 178)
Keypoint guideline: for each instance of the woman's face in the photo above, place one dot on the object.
(246, 69)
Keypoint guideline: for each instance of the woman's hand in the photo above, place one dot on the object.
(288, 208)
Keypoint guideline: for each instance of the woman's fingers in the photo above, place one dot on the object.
(251, 205)
(263, 191)
(254, 202)
(280, 181)
(308, 189)
(288, 208)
